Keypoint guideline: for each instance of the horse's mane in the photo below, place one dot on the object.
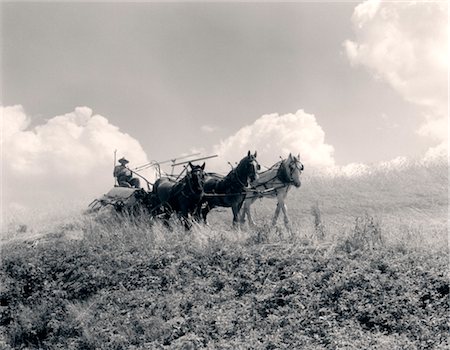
(277, 164)
(272, 173)
(228, 180)
(234, 170)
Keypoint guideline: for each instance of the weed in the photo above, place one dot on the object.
(129, 283)
(366, 234)
(319, 227)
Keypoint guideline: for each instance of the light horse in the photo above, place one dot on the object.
(274, 182)
(229, 191)
(182, 197)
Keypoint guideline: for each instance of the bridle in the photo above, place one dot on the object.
(287, 176)
(253, 163)
(190, 176)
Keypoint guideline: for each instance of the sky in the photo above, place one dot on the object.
(340, 83)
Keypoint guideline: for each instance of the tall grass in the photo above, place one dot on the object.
(353, 274)
(131, 283)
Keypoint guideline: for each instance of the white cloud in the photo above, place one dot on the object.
(436, 154)
(436, 129)
(67, 159)
(208, 128)
(406, 45)
(386, 123)
(366, 11)
(274, 135)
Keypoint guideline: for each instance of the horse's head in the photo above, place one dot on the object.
(196, 177)
(249, 167)
(293, 168)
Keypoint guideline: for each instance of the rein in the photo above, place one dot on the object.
(239, 180)
(189, 185)
(256, 193)
(283, 175)
(234, 173)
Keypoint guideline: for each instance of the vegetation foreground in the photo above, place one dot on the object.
(132, 284)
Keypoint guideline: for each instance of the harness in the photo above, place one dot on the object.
(185, 183)
(229, 181)
(238, 179)
(189, 185)
(281, 174)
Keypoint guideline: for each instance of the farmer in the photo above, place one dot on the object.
(124, 175)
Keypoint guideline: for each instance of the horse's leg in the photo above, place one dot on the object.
(249, 214)
(235, 209)
(243, 212)
(277, 212)
(246, 210)
(281, 201)
(186, 221)
(286, 217)
(198, 212)
(166, 219)
(183, 216)
(205, 212)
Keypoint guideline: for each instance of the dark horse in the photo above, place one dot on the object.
(229, 191)
(181, 197)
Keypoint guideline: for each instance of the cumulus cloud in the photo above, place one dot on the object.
(274, 135)
(68, 158)
(406, 45)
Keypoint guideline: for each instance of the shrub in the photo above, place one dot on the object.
(101, 292)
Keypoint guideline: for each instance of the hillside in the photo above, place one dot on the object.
(365, 268)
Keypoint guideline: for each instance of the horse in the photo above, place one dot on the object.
(228, 191)
(181, 197)
(274, 182)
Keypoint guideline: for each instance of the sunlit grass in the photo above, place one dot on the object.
(365, 266)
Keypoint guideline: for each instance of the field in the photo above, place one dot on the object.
(366, 267)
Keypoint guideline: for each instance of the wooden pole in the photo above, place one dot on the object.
(115, 155)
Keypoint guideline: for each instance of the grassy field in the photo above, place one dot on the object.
(366, 267)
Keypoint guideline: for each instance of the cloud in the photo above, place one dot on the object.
(274, 135)
(67, 159)
(436, 154)
(208, 128)
(386, 123)
(436, 129)
(406, 45)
